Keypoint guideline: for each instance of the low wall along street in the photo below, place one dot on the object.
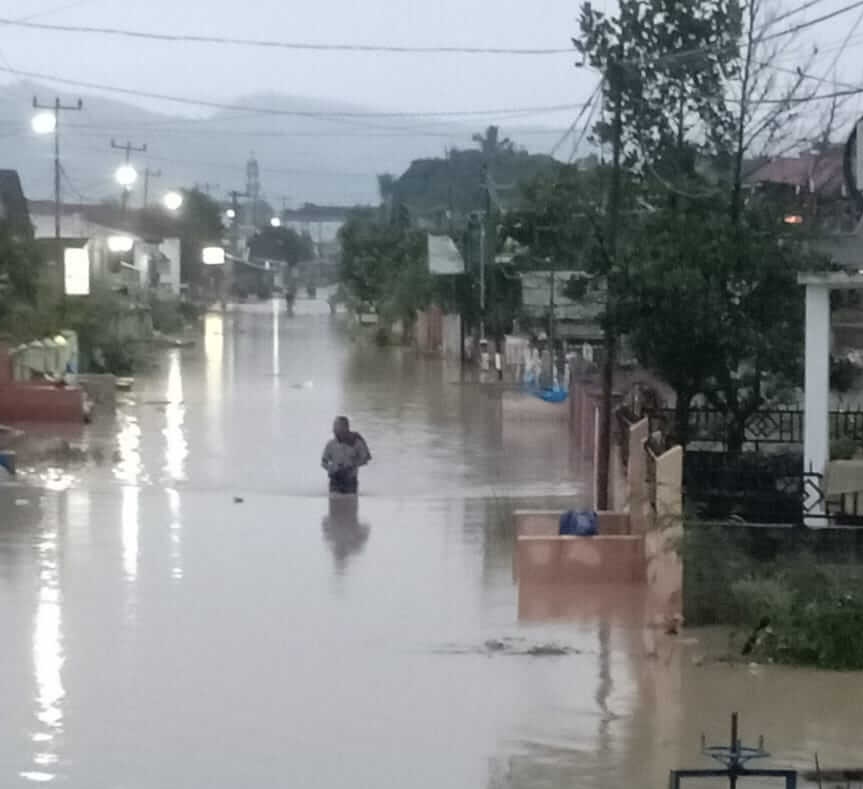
(637, 542)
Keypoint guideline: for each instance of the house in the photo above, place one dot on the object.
(321, 223)
(127, 251)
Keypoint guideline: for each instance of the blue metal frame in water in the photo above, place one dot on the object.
(733, 758)
(554, 395)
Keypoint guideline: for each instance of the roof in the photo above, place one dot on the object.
(820, 173)
(13, 202)
(536, 296)
(318, 213)
(444, 257)
(147, 224)
(71, 242)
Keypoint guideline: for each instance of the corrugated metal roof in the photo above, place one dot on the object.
(444, 257)
(536, 296)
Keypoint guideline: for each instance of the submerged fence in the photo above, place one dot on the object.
(767, 427)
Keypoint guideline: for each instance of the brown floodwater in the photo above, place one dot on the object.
(183, 606)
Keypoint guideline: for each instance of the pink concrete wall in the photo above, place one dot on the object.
(546, 523)
(636, 477)
(35, 402)
(40, 403)
(5, 364)
(594, 560)
(664, 566)
(517, 405)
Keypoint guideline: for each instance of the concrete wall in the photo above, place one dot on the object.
(542, 556)
(451, 336)
(25, 401)
(518, 405)
(664, 565)
(567, 560)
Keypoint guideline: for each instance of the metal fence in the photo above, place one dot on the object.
(765, 489)
(766, 427)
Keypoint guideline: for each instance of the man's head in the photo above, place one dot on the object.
(341, 427)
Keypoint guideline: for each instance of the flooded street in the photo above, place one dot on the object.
(189, 609)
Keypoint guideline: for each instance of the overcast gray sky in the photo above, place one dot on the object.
(392, 81)
(397, 82)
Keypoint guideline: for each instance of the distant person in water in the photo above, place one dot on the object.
(343, 456)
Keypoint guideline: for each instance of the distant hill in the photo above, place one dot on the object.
(454, 183)
(302, 159)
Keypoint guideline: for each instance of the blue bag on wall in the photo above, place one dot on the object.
(579, 524)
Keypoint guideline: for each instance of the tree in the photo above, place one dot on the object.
(19, 267)
(282, 243)
(490, 143)
(199, 224)
(384, 266)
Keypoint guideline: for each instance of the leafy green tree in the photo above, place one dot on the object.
(282, 243)
(384, 266)
(19, 270)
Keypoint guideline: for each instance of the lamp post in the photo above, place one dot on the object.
(127, 175)
(48, 122)
(173, 201)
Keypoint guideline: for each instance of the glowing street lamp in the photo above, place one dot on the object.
(120, 244)
(231, 214)
(126, 176)
(44, 123)
(275, 222)
(173, 201)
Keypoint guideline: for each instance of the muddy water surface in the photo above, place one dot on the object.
(187, 608)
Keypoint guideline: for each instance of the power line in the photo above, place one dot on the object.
(578, 118)
(98, 130)
(812, 22)
(273, 44)
(792, 12)
(335, 114)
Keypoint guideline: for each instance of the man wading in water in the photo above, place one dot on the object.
(343, 456)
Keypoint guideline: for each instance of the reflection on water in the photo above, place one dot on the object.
(230, 614)
(129, 468)
(47, 660)
(343, 531)
(176, 534)
(176, 449)
(130, 526)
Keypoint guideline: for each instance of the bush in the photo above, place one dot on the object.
(167, 315)
(811, 597)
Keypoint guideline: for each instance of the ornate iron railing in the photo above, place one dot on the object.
(765, 427)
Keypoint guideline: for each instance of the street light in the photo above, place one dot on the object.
(126, 175)
(120, 244)
(231, 214)
(44, 123)
(213, 256)
(275, 222)
(173, 201)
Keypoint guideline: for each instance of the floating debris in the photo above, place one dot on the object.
(511, 648)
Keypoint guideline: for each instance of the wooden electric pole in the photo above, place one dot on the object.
(128, 148)
(148, 174)
(57, 108)
(603, 470)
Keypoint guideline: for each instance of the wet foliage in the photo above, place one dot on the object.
(798, 595)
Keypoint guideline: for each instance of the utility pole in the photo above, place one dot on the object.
(603, 471)
(488, 241)
(235, 196)
(206, 187)
(128, 148)
(57, 107)
(148, 174)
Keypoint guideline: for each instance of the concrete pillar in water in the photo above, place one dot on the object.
(816, 448)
